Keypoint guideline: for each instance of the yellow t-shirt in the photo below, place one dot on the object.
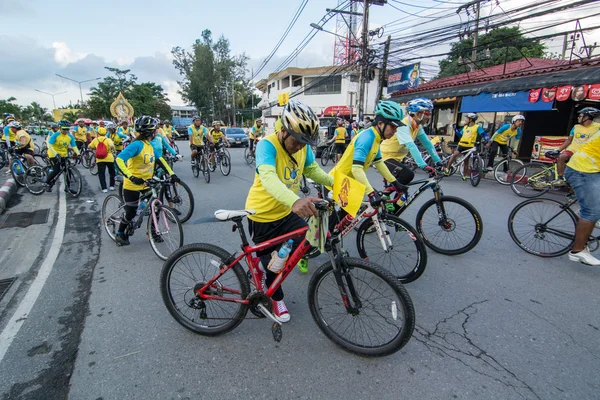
(110, 146)
(61, 145)
(12, 136)
(20, 134)
(216, 135)
(581, 134)
(469, 135)
(391, 148)
(197, 134)
(340, 134)
(168, 131)
(369, 153)
(269, 209)
(587, 159)
(507, 133)
(256, 131)
(80, 133)
(141, 165)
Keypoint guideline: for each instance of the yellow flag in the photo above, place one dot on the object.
(347, 192)
(283, 98)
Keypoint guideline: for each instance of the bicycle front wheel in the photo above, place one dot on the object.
(505, 169)
(112, 212)
(248, 157)
(73, 182)
(450, 226)
(204, 168)
(542, 228)
(405, 257)
(532, 180)
(181, 200)
(34, 179)
(93, 167)
(476, 166)
(189, 269)
(382, 317)
(166, 234)
(325, 156)
(225, 164)
(18, 171)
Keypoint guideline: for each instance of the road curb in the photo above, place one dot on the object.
(8, 189)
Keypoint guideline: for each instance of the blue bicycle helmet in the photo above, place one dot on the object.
(417, 105)
(389, 112)
(64, 124)
(590, 112)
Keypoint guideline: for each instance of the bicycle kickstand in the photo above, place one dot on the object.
(276, 328)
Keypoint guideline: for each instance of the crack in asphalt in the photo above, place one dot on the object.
(468, 353)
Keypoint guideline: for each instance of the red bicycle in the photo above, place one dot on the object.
(206, 289)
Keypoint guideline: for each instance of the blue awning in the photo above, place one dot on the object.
(504, 101)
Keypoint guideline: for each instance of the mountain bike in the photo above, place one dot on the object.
(178, 196)
(383, 238)
(222, 159)
(534, 179)
(470, 159)
(328, 153)
(448, 225)
(35, 177)
(201, 164)
(250, 157)
(355, 303)
(163, 228)
(503, 169)
(546, 227)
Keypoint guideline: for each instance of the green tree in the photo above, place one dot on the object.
(505, 45)
(8, 106)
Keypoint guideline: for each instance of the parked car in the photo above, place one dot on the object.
(236, 136)
(182, 132)
(33, 130)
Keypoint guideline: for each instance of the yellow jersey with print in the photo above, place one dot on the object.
(470, 134)
(197, 134)
(139, 160)
(216, 135)
(392, 148)
(587, 159)
(289, 170)
(256, 132)
(80, 133)
(362, 150)
(581, 134)
(110, 147)
(168, 131)
(340, 134)
(28, 142)
(505, 132)
(59, 143)
(12, 136)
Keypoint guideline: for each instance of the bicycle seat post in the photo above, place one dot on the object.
(240, 228)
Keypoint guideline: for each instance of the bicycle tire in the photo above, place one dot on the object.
(225, 164)
(513, 165)
(449, 225)
(178, 309)
(413, 269)
(205, 170)
(357, 269)
(93, 167)
(166, 245)
(110, 222)
(36, 149)
(249, 159)
(178, 200)
(34, 179)
(523, 185)
(196, 169)
(86, 158)
(476, 169)
(18, 171)
(74, 176)
(540, 228)
(325, 156)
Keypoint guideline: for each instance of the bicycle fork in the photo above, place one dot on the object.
(340, 271)
(383, 234)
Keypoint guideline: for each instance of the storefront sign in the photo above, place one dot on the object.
(534, 95)
(542, 144)
(579, 92)
(504, 101)
(548, 94)
(337, 110)
(594, 92)
(563, 93)
(404, 78)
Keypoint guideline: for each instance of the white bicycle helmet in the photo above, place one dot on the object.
(518, 118)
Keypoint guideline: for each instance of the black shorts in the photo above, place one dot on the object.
(196, 147)
(24, 150)
(340, 148)
(460, 149)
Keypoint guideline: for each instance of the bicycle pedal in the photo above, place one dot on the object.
(267, 314)
(277, 332)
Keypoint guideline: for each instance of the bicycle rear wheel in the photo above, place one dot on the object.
(180, 198)
(532, 180)
(196, 167)
(325, 156)
(542, 228)
(167, 235)
(248, 157)
(93, 167)
(383, 318)
(73, 182)
(405, 259)
(503, 172)
(18, 171)
(475, 166)
(112, 212)
(189, 269)
(225, 164)
(451, 226)
(34, 179)
(204, 168)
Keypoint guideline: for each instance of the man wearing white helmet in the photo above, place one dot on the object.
(502, 136)
(468, 136)
(281, 161)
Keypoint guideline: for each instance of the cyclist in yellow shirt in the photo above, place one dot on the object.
(468, 136)
(583, 175)
(81, 134)
(24, 144)
(108, 162)
(580, 134)
(501, 137)
(168, 129)
(8, 136)
(281, 161)
(198, 135)
(256, 133)
(340, 139)
(218, 137)
(58, 151)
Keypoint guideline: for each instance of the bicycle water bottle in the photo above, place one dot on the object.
(401, 200)
(344, 222)
(141, 207)
(278, 258)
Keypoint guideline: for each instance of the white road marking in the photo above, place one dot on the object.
(14, 325)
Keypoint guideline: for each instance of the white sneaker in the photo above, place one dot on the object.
(104, 191)
(584, 257)
(281, 311)
(112, 188)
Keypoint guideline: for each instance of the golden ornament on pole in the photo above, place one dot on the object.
(121, 109)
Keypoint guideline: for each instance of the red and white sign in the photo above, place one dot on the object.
(548, 94)
(594, 92)
(534, 95)
(563, 93)
(542, 144)
(337, 110)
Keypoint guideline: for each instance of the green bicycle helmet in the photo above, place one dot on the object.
(389, 112)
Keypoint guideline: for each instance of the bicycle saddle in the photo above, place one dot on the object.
(226, 215)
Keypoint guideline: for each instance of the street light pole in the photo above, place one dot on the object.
(233, 95)
(50, 94)
(78, 82)
(363, 64)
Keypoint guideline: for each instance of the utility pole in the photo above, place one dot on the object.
(475, 37)
(233, 95)
(363, 62)
(383, 71)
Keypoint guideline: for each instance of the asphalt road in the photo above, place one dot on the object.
(495, 323)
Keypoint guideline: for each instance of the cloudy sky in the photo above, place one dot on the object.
(41, 38)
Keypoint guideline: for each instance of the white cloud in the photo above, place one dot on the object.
(64, 55)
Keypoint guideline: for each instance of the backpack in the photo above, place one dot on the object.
(101, 150)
